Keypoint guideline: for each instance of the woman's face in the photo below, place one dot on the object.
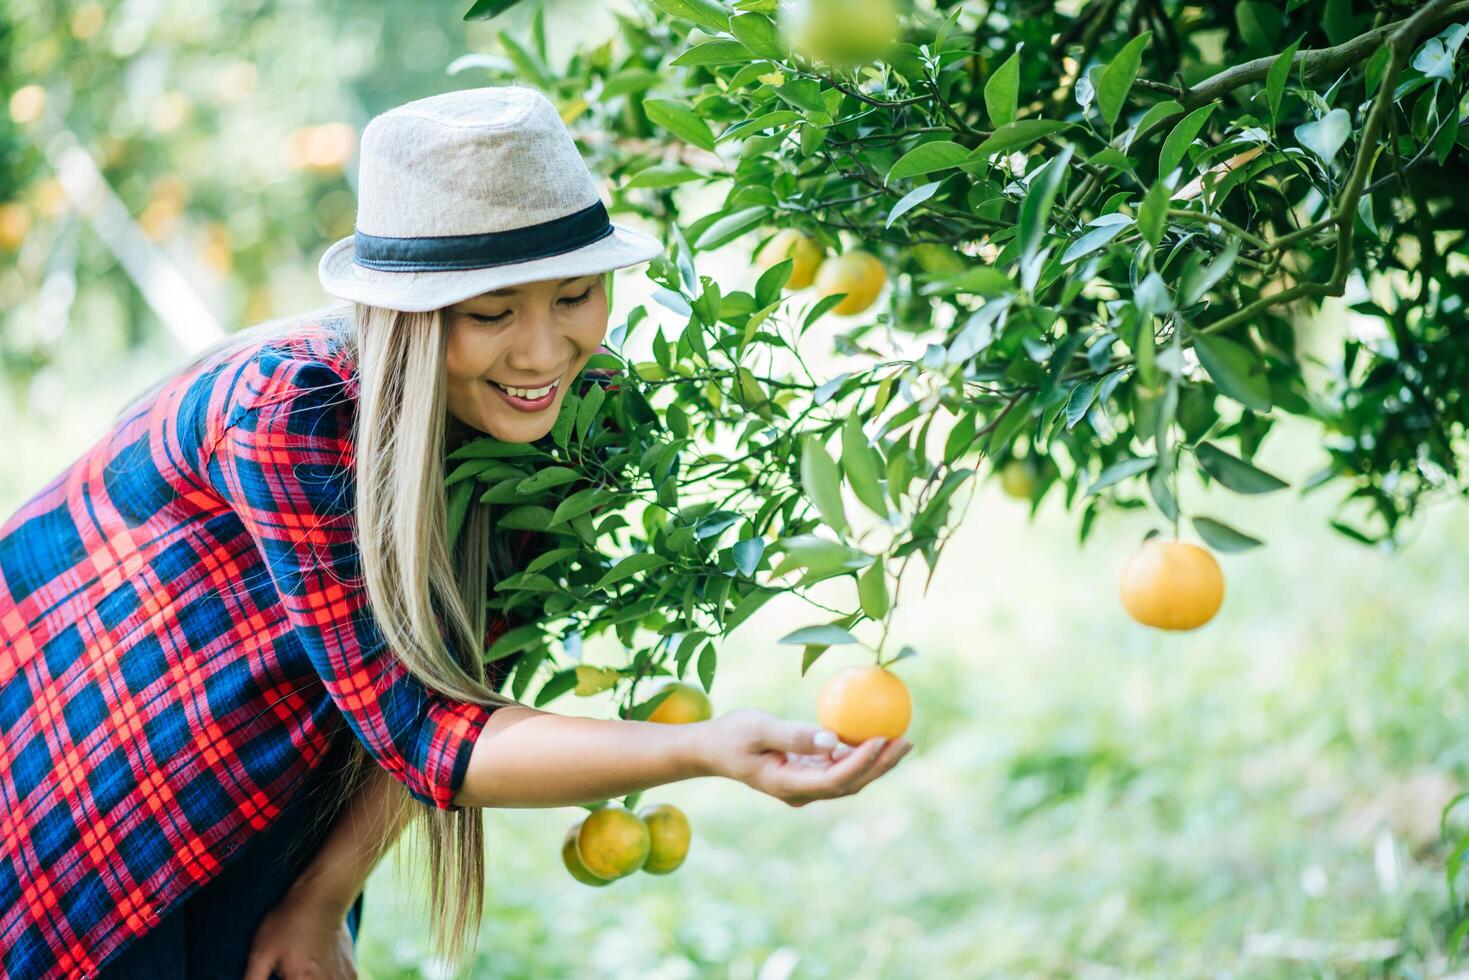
(523, 337)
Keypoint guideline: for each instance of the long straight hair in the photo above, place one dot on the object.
(427, 594)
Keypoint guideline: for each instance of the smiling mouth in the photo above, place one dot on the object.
(529, 393)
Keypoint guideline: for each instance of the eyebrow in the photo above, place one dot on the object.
(512, 290)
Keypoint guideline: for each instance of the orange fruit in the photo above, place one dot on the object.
(670, 831)
(857, 273)
(844, 33)
(572, 860)
(1017, 478)
(1172, 585)
(806, 255)
(685, 703)
(15, 224)
(864, 701)
(613, 842)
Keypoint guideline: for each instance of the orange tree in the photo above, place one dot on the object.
(1098, 230)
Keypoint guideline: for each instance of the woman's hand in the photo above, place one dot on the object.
(302, 937)
(791, 761)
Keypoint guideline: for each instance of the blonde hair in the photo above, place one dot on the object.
(427, 593)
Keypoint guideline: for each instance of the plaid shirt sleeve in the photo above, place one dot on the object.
(282, 463)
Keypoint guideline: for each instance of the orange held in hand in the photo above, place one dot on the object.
(613, 842)
(1172, 585)
(685, 703)
(864, 702)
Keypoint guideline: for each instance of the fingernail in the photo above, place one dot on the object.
(881, 743)
(825, 739)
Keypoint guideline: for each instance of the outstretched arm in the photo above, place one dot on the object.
(524, 757)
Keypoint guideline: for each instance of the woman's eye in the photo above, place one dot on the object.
(499, 317)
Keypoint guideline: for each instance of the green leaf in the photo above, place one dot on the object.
(1016, 135)
(1035, 210)
(1236, 371)
(1326, 136)
(514, 641)
(1222, 537)
(458, 508)
(860, 463)
(1156, 113)
(485, 9)
(579, 503)
(546, 477)
(1197, 281)
(681, 121)
(872, 590)
(1234, 473)
(1080, 401)
(759, 34)
(822, 482)
(706, 13)
(810, 654)
(1002, 91)
(630, 565)
(828, 635)
(1278, 75)
(587, 409)
(731, 226)
(1103, 230)
(558, 684)
(1120, 471)
(1118, 76)
(1175, 147)
(708, 660)
(960, 437)
(747, 554)
(1152, 216)
(662, 175)
(1259, 22)
(926, 158)
(490, 448)
(531, 517)
(716, 52)
(911, 200)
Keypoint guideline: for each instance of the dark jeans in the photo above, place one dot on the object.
(208, 935)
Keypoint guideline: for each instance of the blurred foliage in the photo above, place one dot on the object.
(228, 131)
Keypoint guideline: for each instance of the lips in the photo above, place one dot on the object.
(524, 404)
(529, 393)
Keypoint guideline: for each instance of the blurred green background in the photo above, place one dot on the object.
(1086, 799)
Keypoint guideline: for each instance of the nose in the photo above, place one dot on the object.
(540, 349)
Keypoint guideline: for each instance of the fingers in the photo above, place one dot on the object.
(259, 967)
(802, 739)
(853, 771)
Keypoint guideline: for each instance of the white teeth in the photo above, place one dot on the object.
(530, 393)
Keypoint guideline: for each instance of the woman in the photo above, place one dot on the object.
(246, 590)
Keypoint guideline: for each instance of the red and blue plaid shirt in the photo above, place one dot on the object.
(183, 630)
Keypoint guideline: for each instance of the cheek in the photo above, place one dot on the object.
(465, 355)
(591, 326)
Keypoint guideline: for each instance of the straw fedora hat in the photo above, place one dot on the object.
(469, 191)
